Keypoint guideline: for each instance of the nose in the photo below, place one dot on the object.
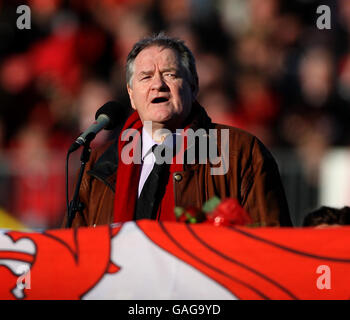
(158, 83)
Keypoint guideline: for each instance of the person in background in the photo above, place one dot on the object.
(325, 217)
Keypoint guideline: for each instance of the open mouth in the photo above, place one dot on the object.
(160, 100)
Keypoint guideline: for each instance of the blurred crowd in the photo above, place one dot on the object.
(263, 66)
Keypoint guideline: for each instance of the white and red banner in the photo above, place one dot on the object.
(151, 260)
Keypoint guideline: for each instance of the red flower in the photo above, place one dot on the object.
(216, 212)
(189, 215)
(228, 213)
(195, 213)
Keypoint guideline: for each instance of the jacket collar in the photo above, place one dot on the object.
(105, 167)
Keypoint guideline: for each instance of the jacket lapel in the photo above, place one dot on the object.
(105, 168)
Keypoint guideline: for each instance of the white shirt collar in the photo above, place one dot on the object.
(148, 142)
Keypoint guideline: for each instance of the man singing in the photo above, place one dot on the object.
(162, 83)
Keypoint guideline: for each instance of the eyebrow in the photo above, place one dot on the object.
(148, 72)
(171, 69)
(142, 73)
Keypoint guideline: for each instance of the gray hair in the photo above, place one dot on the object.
(161, 40)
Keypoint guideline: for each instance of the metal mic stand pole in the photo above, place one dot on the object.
(75, 205)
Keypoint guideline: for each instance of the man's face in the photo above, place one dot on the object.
(160, 91)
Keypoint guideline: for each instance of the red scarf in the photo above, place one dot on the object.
(128, 176)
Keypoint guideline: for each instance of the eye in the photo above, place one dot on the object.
(170, 75)
(145, 77)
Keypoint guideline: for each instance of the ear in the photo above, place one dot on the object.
(130, 97)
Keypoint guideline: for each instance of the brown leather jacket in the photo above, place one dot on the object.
(252, 178)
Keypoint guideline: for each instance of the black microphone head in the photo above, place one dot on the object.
(113, 111)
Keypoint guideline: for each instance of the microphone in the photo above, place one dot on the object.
(106, 118)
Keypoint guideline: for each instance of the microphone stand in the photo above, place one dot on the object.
(75, 205)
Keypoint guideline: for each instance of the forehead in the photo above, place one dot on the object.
(156, 56)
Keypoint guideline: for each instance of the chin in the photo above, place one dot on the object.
(163, 117)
